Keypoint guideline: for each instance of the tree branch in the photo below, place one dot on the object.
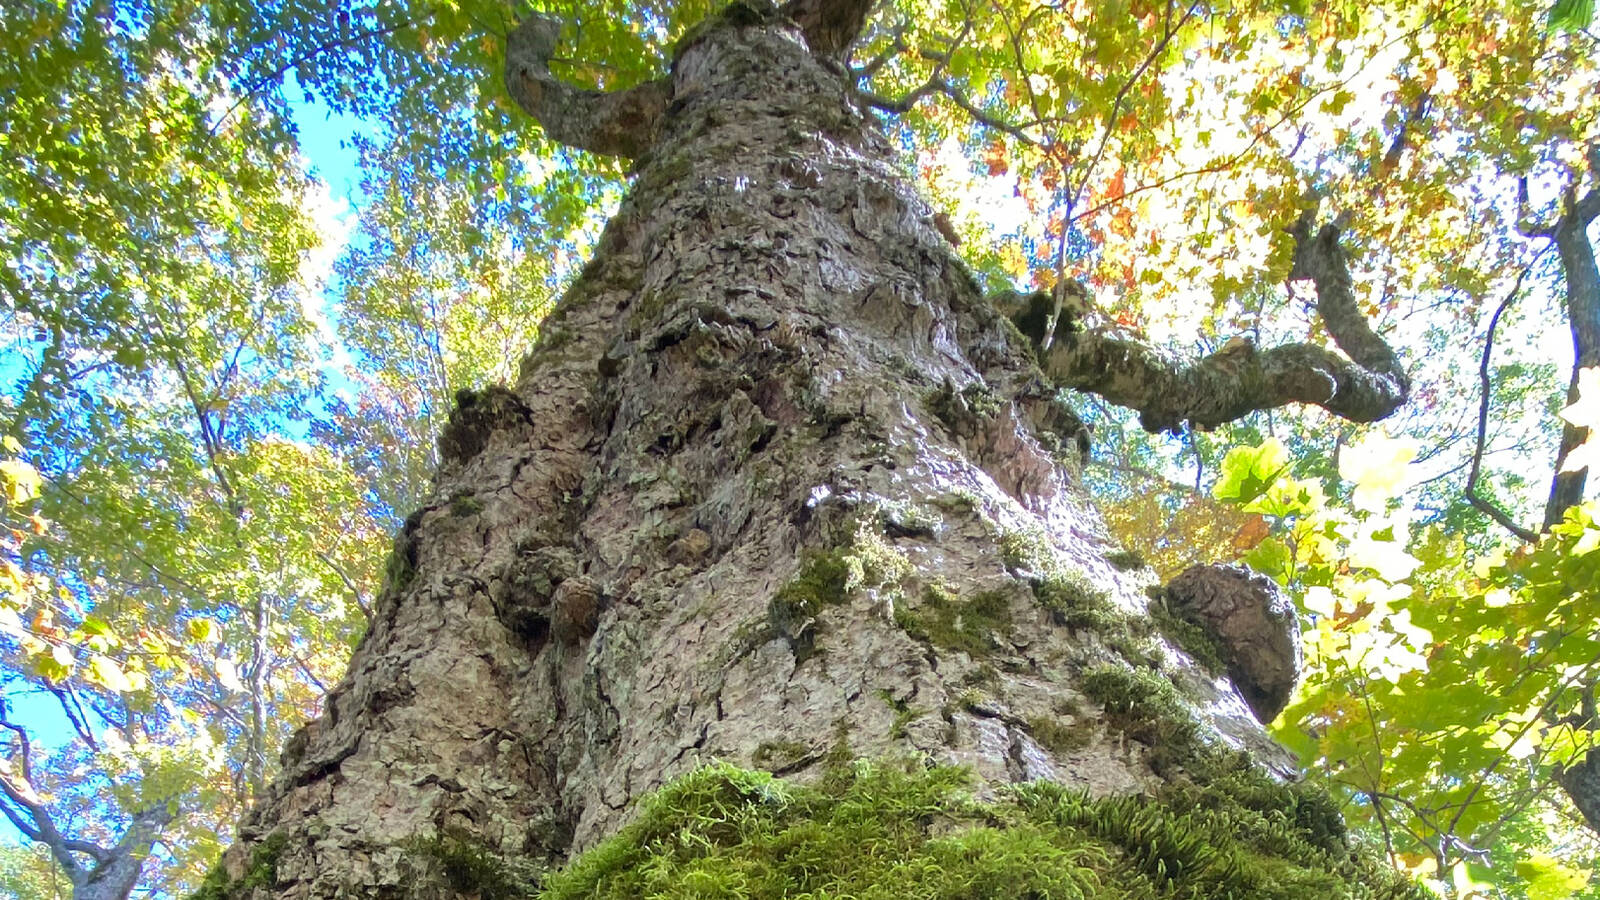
(621, 123)
(1482, 504)
(40, 827)
(357, 594)
(1169, 30)
(1239, 378)
(941, 86)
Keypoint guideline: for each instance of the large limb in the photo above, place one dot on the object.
(618, 123)
(1364, 385)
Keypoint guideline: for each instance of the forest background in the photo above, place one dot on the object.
(253, 250)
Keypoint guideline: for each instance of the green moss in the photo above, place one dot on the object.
(1054, 736)
(1075, 602)
(401, 565)
(904, 714)
(965, 411)
(1143, 704)
(464, 504)
(1027, 551)
(977, 626)
(771, 755)
(470, 867)
(908, 519)
(1190, 636)
(1126, 560)
(957, 501)
(261, 873)
(878, 831)
(830, 578)
(552, 339)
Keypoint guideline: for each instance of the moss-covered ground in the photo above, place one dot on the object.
(905, 830)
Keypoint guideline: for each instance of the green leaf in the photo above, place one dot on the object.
(1571, 15)
(1272, 557)
(1548, 879)
(1249, 472)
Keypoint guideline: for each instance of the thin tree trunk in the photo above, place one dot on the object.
(1583, 317)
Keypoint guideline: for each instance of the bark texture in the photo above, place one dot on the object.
(1255, 628)
(776, 477)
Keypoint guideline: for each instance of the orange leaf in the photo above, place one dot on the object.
(1122, 223)
(1117, 186)
(995, 156)
(1251, 533)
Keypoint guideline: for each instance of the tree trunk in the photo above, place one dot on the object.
(775, 481)
(1582, 278)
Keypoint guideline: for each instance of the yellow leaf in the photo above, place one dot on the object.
(1377, 467)
(20, 481)
(104, 671)
(202, 630)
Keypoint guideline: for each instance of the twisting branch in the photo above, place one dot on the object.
(1365, 385)
(1479, 503)
(621, 123)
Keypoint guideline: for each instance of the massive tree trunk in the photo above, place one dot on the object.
(777, 480)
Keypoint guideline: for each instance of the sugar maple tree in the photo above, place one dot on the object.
(160, 567)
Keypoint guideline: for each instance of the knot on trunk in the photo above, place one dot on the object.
(1254, 626)
(523, 594)
(476, 416)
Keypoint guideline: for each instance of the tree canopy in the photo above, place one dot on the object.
(220, 397)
